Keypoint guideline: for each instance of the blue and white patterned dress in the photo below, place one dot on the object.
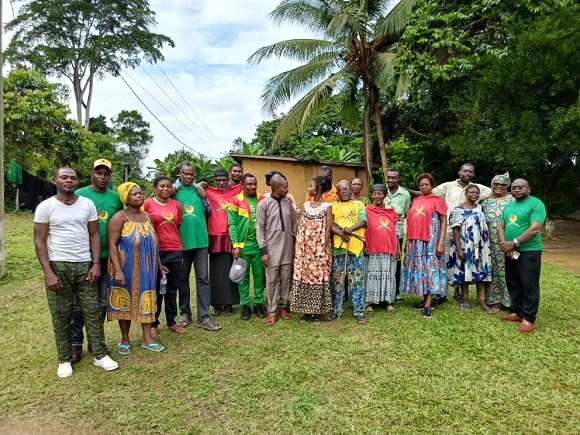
(475, 244)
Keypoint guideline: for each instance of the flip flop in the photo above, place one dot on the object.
(124, 349)
(316, 321)
(153, 346)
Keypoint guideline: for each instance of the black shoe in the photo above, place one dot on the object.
(77, 354)
(246, 312)
(229, 310)
(398, 298)
(217, 310)
(440, 300)
(419, 306)
(426, 313)
(259, 310)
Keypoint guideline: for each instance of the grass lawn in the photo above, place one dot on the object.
(460, 372)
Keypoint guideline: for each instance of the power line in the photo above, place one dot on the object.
(166, 109)
(155, 116)
(185, 101)
(179, 107)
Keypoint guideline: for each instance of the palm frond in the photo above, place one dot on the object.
(350, 100)
(283, 87)
(393, 24)
(297, 49)
(347, 24)
(383, 69)
(311, 14)
(403, 84)
(299, 114)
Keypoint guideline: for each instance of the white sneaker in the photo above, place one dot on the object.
(105, 363)
(65, 370)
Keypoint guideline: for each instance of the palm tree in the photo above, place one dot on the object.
(354, 59)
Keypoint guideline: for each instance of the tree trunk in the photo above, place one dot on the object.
(89, 99)
(78, 94)
(367, 146)
(382, 149)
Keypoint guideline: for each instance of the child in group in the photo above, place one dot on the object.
(469, 256)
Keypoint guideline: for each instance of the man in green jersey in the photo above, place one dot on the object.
(107, 203)
(521, 241)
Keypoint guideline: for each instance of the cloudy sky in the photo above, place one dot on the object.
(213, 40)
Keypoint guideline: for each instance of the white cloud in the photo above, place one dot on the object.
(214, 39)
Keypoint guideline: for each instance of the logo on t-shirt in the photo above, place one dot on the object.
(168, 216)
(102, 215)
(189, 209)
(384, 224)
(419, 211)
(512, 219)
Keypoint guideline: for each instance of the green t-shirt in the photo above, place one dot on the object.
(107, 204)
(517, 217)
(193, 228)
(253, 202)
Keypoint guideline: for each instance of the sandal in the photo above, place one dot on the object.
(284, 313)
(465, 306)
(305, 318)
(330, 317)
(208, 324)
(184, 321)
(153, 346)
(316, 320)
(177, 328)
(124, 349)
(361, 320)
(272, 319)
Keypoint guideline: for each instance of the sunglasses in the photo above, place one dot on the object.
(499, 185)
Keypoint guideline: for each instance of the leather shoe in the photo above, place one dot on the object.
(77, 354)
(216, 311)
(284, 313)
(229, 310)
(513, 317)
(246, 312)
(259, 310)
(526, 326)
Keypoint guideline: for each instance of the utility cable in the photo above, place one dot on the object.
(166, 109)
(179, 107)
(185, 101)
(155, 116)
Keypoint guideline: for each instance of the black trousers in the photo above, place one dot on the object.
(398, 272)
(523, 282)
(174, 262)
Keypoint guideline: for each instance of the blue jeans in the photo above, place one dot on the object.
(78, 322)
(198, 257)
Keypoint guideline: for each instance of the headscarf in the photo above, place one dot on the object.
(504, 177)
(124, 189)
(380, 187)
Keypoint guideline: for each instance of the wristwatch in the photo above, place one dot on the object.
(516, 242)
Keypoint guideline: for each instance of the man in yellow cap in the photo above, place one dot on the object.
(107, 203)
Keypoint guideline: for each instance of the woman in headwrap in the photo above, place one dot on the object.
(133, 267)
(382, 246)
(497, 294)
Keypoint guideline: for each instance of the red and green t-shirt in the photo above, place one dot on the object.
(166, 218)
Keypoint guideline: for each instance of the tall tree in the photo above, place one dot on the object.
(83, 40)
(354, 58)
(133, 136)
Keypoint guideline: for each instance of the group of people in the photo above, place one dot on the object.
(119, 256)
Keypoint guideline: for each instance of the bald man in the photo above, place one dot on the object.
(275, 232)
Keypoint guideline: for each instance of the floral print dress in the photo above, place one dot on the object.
(310, 292)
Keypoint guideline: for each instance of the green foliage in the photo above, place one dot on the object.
(353, 58)
(81, 40)
(133, 136)
(38, 134)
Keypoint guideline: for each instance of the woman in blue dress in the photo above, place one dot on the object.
(469, 256)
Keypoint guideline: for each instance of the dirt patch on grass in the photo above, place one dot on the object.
(564, 249)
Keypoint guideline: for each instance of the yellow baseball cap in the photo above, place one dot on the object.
(102, 162)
